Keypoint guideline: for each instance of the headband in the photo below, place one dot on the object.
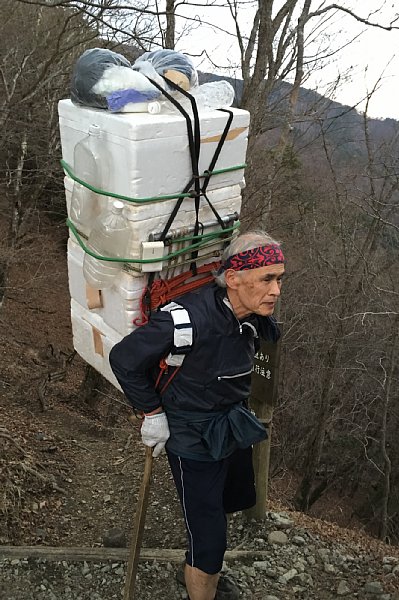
(263, 256)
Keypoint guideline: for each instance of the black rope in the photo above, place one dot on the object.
(192, 137)
(195, 150)
(194, 141)
(174, 212)
(215, 212)
(218, 148)
(213, 163)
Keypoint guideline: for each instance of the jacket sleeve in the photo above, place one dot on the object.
(268, 329)
(135, 357)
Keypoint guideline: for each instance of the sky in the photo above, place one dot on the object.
(372, 55)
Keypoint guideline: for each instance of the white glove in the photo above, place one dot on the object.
(155, 432)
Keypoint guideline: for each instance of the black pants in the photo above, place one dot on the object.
(207, 491)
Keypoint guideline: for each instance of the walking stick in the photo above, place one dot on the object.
(138, 528)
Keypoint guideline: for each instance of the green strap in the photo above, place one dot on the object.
(72, 175)
(205, 238)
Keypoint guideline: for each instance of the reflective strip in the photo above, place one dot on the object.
(185, 511)
(175, 360)
(170, 306)
(234, 376)
(183, 332)
(251, 327)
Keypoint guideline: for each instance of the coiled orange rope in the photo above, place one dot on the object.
(164, 290)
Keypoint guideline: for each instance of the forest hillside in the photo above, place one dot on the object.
(324, 181)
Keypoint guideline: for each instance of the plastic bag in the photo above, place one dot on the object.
(88, 70)
(122, 87)
(208, 96)
(104, 79)
(169, 63)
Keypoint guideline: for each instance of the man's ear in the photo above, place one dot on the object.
(231, 278)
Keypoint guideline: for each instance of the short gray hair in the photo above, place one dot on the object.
(244, 241)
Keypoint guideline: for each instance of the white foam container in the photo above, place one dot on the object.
(150, 220)
(93, 340)
(225, 200)
(120, 303)
(148, 155)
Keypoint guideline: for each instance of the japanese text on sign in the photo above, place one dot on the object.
(262, 357)
(261, 369)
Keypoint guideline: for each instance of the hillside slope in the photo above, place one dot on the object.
(70, 471)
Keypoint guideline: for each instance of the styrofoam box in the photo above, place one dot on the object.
(225, 200)
(149, 219)
(93, 340)
(120, 302)
(148, 155)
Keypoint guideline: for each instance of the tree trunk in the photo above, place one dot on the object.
(16, 218)
(304, 494)
(90, 388)
(385, 413)
(170, 25)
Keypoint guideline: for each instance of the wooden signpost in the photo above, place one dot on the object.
(262, 401)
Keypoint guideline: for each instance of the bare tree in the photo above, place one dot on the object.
(338, 216)
(37, 49)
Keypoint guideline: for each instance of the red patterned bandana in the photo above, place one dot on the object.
(264, 256)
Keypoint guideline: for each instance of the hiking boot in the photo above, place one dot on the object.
(226, 590)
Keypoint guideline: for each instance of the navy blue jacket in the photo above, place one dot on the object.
(215, 375)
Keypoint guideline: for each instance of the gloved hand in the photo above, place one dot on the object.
(155, 432)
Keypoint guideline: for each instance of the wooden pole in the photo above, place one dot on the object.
(262, 400)
(88, 554)
(138, 528)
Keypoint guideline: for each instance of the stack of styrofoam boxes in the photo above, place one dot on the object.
(147, 156)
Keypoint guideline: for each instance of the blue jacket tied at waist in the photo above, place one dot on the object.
(236, 428)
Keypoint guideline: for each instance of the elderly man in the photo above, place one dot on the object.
(195, 404)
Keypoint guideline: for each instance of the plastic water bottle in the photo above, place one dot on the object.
(109, 237)
(208, 96)
(90, 166)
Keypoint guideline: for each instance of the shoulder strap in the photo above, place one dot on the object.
(183, 334)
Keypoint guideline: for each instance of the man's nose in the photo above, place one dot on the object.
(275, 289)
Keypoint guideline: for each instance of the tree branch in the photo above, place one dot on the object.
(330, 7)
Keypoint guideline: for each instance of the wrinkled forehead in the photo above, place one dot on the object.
(262, 272)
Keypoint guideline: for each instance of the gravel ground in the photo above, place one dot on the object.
(288, 561)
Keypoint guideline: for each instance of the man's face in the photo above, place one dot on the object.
(254, 291)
